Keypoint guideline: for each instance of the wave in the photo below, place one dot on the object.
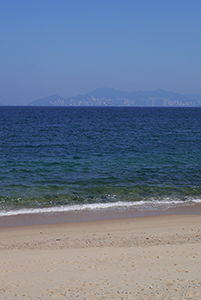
(151, 204)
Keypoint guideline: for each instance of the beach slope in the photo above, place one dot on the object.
(140, 258)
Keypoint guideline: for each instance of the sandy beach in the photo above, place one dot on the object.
(134, 258)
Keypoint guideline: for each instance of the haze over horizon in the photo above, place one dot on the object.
(73, 47)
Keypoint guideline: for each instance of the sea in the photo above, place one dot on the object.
(78, 159)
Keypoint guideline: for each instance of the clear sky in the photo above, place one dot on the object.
(70, 47)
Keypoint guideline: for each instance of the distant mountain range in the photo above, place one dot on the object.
(112, 97)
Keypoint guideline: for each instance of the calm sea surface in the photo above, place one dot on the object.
(60, 159)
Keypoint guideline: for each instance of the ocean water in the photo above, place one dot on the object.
(90, 158)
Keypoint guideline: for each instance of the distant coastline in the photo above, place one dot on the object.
(112, 97)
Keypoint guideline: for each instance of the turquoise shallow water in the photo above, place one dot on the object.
(55, 158)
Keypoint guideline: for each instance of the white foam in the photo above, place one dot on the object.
(152, 204)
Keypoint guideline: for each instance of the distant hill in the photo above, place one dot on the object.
(112, 97)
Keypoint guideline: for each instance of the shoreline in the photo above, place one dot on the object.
(93, 215)
(138, 258)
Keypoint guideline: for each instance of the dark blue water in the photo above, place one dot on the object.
(59, 157)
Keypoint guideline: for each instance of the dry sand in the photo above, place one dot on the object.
(140, 258)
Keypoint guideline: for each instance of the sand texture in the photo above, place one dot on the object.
(140, 258)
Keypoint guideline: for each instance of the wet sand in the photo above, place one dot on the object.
(132, 258)
(94, 215)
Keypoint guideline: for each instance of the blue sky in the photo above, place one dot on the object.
(72, 47)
